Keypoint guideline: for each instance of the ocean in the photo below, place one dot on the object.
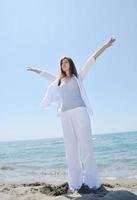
(44, 159)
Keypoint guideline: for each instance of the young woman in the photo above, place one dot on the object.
(74, 109)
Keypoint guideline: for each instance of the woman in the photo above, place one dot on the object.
(74, 109)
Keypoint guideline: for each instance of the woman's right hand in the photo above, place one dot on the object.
(33, 69)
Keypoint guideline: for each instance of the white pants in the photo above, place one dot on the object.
(81, 162)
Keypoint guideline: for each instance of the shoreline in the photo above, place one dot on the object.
(56, 182)
(51, 190)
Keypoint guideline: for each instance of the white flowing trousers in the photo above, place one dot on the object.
(82, 167)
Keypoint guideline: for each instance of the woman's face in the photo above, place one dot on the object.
(65, 65)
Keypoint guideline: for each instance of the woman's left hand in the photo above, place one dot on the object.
(110, 42)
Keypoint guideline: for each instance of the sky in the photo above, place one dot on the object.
(37, 33)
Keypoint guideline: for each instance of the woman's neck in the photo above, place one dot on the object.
(68, 74)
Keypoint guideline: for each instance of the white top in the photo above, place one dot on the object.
(52, 95)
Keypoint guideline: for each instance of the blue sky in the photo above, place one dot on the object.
(37, 33)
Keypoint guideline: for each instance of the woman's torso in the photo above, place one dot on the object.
(70, 94)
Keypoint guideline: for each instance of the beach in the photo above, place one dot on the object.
(37, 169)
(112, 190)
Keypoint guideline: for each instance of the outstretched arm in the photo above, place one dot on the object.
(91, 60)
(43, 73)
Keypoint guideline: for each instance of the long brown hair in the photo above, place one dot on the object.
(72, 69)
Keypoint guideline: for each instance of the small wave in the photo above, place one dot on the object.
(54, 172)
(7, 168)
(111, 178)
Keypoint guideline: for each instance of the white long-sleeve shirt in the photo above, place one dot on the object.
(52, 95)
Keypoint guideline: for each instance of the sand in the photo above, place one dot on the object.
(110, 190)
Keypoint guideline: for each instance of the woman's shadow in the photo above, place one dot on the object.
(100, 194)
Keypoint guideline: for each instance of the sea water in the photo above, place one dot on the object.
(44, 159)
